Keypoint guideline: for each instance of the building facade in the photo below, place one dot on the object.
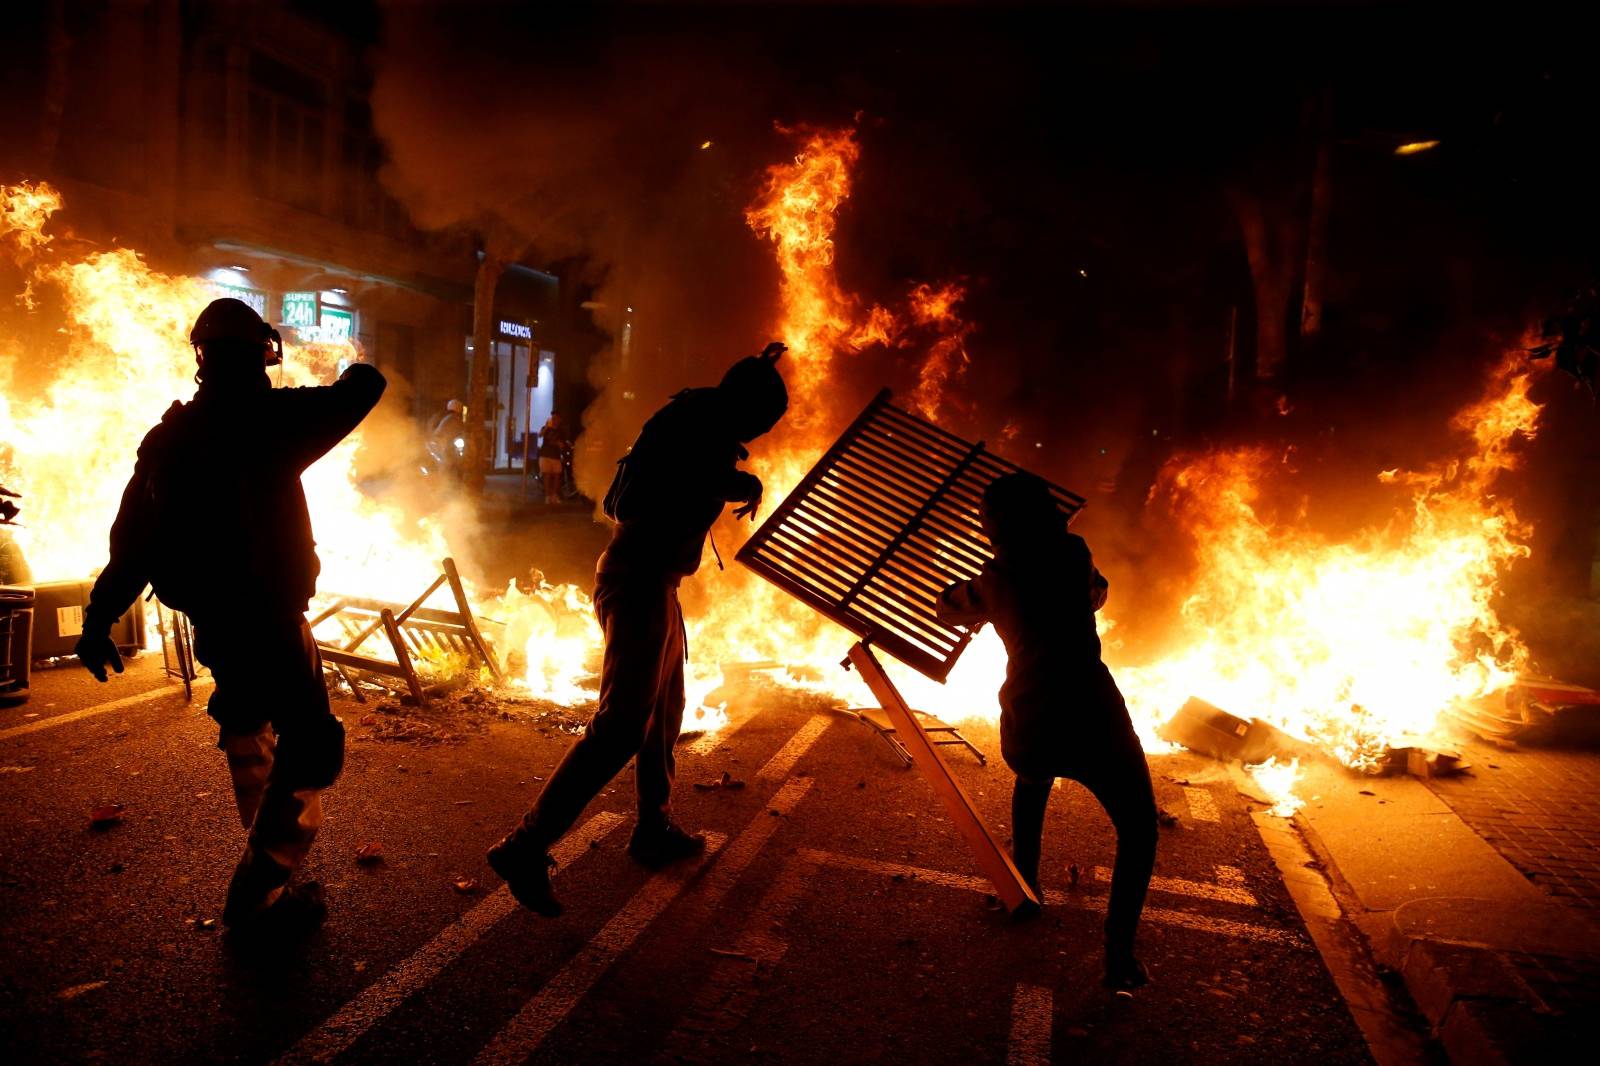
(235, 142)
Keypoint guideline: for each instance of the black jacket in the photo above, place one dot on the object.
(214, 517)
(675, 481)
(1058, 696)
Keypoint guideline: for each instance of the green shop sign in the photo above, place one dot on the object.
(254, 297)
(300, 310)
(337, 325)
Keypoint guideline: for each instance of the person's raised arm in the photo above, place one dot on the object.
(318, 418)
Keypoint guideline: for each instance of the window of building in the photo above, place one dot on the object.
(284, 133)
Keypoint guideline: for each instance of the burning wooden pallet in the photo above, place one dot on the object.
(410, 630)
(885, 521)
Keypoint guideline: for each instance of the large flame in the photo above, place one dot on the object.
(72, 413)
(1352, 644)
(1358, 643)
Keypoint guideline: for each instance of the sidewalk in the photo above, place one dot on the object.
(1502, 971)
(1540, 809)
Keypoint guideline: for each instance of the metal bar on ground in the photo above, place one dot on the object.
(993, 860)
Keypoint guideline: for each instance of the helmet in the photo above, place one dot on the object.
(756, 391)
(231, 320)
(453, 405)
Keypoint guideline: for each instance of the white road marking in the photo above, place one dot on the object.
(1031, 1008)
(1202, 808)
(737, 857)
(97, 709)
(1228, 889)
(355, 1018)
(726, 995)
(1055, 897)
(541, 1014)
(779, 765)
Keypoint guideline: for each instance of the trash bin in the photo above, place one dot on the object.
(16, 641)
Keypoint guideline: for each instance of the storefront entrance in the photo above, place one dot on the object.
(523, 388)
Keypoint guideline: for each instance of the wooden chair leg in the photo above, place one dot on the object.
(469, 623)
(403, 657)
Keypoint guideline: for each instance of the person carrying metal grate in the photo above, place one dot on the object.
(1061, 714)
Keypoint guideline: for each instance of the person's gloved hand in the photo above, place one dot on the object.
(96, 651)
(748, 510)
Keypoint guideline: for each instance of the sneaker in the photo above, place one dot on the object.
(529, 881)
(1124, 973)
(298, 912)
(662, 845)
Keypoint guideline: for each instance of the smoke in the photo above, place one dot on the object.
(619, 158)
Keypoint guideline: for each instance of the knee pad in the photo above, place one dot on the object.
(311, 755)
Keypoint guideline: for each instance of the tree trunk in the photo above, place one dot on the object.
(476, 461)
(1317, 225)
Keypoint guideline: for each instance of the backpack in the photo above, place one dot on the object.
(169, 516)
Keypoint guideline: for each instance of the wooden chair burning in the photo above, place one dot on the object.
(411, 630)
(885, 521)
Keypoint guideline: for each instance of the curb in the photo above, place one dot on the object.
(1459, 959)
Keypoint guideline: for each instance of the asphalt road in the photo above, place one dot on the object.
(839, 918)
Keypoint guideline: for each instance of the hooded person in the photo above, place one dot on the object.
(668, 490)
(215, 521)
(1061, 714)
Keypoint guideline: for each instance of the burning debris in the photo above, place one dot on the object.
(1348, 647)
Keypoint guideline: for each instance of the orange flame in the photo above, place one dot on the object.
(120, 357)
(1354, 644)
(24, 210)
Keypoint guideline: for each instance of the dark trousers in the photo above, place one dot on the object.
(1119, 778)
(637, 716)
(282, 741)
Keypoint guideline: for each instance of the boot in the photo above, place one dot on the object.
(295, 913)
(1124, 972)
(663, 843)
(528, 878)
(257, 883)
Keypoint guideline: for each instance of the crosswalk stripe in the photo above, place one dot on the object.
(1031, 1008)
(1202, 807)
(541, 1014)
(355, 1018)
(779, 765)
(1161, 915)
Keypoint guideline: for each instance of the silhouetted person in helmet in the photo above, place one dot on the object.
(448, 437)
(670, 487)
(1061, 714)
(215, 521)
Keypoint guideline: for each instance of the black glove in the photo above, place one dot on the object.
(96, 651)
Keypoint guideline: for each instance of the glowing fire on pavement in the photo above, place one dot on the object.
(72, 414)
(1353, 644)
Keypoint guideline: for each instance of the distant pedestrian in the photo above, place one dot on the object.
(214, 519)
(1061, 714)
(447, 438)
(670, 487)
(553, 445)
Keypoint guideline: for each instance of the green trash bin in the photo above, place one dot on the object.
(16, 641)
